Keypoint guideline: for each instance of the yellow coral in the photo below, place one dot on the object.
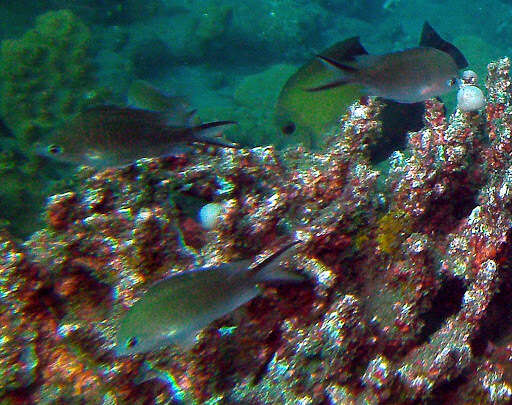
(361, 239)
(393, 228)
(40, 70)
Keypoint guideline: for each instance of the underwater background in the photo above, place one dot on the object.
(228, 59)
(400, 216)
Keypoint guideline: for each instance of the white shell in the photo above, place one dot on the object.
(470, 98)
(209, 215)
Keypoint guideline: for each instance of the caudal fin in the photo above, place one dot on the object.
(269, 269)
(349, 70)
(206, 133)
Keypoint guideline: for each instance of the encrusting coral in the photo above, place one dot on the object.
(415, 325)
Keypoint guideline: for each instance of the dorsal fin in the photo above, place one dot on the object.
(273, 256)
(430, 38)
(346, 50)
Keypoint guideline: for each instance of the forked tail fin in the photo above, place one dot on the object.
(206, 133)
(349, 70)
(269, 269)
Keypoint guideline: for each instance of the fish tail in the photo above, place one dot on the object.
(341, 66)
(269, 270)
(349, 70)
(330, 85)
(206, 133)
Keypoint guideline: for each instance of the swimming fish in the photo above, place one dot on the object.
(175, 309)
(407, 76)
(111, 136)
(308, 115)
(143, 94)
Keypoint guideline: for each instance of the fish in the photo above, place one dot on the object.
(111, 136)
(307, 118)
(143, 94)
(408, 76)
(175, 309)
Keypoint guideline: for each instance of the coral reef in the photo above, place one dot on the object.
(46, 76)
(407, 299)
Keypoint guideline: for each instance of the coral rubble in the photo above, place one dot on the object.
(409, 271)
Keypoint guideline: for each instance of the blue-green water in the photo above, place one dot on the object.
(228, 58)
(398, 275)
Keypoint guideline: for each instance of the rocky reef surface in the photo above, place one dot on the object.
(408, 268)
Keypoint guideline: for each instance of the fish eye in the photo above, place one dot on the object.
(132, 342)
(288, 129)
(54, 150)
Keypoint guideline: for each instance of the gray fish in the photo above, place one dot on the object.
(175, 309)
(142, 94)
(111, 136)
(408, 76)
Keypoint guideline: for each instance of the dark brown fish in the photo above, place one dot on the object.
(111, 136)
(408, 76)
